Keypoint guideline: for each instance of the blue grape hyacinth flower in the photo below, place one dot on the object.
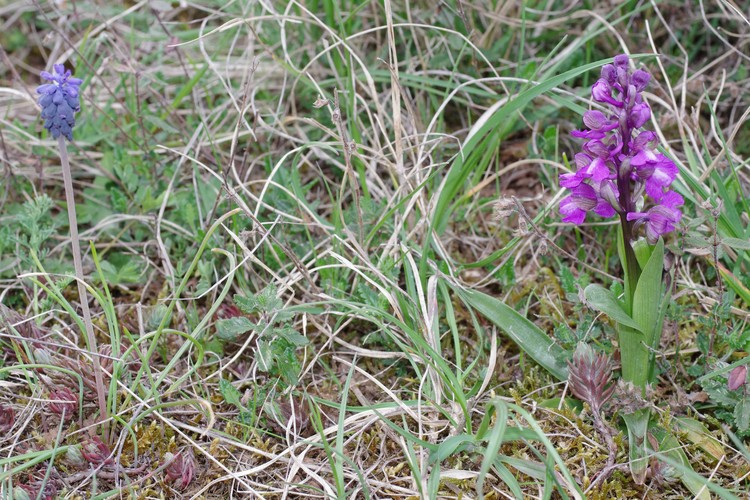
(60, 101)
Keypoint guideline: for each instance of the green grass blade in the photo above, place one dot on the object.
(464, 165)
(493, 445)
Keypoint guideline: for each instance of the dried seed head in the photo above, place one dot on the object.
(716, 211)
(523, 227)
(504, 208)
(631, 398)
(320, 102)
(737, 378)
(543, 247)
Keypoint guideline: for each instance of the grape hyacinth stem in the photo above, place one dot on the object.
(82, 294)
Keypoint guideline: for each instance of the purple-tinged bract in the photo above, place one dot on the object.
(60, 101)
(181, 468)
(96, 451)
(64, 402)
(7, 418)
(737, 378)
(619, 172)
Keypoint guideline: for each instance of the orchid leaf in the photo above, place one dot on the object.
(635, 343)
(697, 433)
(534, 342)
(648, 294)
(637, 424)
(604, 301)
(671, 450)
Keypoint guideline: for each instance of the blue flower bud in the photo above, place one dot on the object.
(60, 101)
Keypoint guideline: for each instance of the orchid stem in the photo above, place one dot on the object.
(82, 294)
(633, 272)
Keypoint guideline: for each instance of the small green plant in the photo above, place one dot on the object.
(277, 340)
(729, 391)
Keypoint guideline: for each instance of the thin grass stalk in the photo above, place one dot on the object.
(83, 296)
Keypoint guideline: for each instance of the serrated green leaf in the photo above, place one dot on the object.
(742, 415)
(265, 356)
(215, 346)
(291, 335)
(248, 305)
(229, 329)
(121, 270)
(605, 302)
(268, 301)
(285, 361)
(230, 393)
(534, 342)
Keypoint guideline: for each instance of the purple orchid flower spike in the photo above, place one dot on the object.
(60, 101)
(619, 164)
